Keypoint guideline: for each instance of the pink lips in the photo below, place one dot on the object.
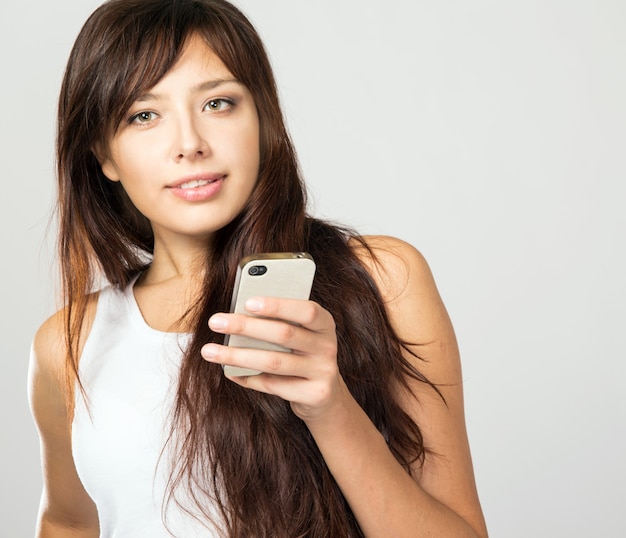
(197, 187)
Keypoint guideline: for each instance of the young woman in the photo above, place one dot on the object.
(173, 164)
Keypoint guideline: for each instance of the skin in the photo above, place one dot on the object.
(183, 137)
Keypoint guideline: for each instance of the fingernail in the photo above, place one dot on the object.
(217, 322)
(254, 305)
(209, 351)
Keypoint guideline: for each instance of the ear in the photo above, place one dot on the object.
(106, 163)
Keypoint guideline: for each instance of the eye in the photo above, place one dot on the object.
(145, 116)
(218, 105)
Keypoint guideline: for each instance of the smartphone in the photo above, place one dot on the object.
(277, 274)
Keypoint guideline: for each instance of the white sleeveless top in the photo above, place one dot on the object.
(129, 373)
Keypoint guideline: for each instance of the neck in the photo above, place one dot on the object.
(178, 260)
(172, 284)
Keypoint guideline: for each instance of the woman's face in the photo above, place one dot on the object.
(187, 152)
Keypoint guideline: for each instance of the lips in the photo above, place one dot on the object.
(195, 183)
(198, 188)
(196, 180)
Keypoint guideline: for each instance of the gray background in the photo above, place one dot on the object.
(491, 135)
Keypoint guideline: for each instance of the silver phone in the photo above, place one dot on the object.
(277, 274)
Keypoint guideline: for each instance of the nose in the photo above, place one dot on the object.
(190, 142)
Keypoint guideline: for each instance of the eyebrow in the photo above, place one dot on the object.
(204, 86)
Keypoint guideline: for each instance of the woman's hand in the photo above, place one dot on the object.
(438, 498)
(308, 376)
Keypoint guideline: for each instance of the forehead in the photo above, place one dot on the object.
(197, 61)
(194, 62)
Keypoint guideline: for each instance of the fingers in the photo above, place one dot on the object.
(308, 382)
(305, 372)
(270, 362)
(306, 330)
(302, 327)
(306, 313)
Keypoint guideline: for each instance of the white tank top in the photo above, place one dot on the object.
(129, 373)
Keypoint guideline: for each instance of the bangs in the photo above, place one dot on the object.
(134, 44)
(137, 52)
(127, 46)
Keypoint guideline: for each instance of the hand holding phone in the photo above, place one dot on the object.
(278, 274)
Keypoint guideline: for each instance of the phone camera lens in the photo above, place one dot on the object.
(257, 270)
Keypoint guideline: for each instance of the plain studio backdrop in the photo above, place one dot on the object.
(489, 134)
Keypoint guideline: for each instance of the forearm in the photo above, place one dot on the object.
(384, 498)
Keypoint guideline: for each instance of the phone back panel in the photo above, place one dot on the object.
(285, 275)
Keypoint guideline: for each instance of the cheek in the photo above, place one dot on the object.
(138, 162)
(254, 144)
(246, 149)
(253, 156)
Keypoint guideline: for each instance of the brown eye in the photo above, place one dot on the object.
(217, 105)
(143, 117)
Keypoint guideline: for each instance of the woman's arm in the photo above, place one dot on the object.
(66, 510)
(440, 499)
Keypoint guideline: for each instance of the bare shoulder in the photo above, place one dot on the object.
(65, 504)
(46, 374)
(47, 370)
(413, 303)
(395, 264)
(420, 319)
(49, 347)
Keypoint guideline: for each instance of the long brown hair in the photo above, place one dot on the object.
(243, 452)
